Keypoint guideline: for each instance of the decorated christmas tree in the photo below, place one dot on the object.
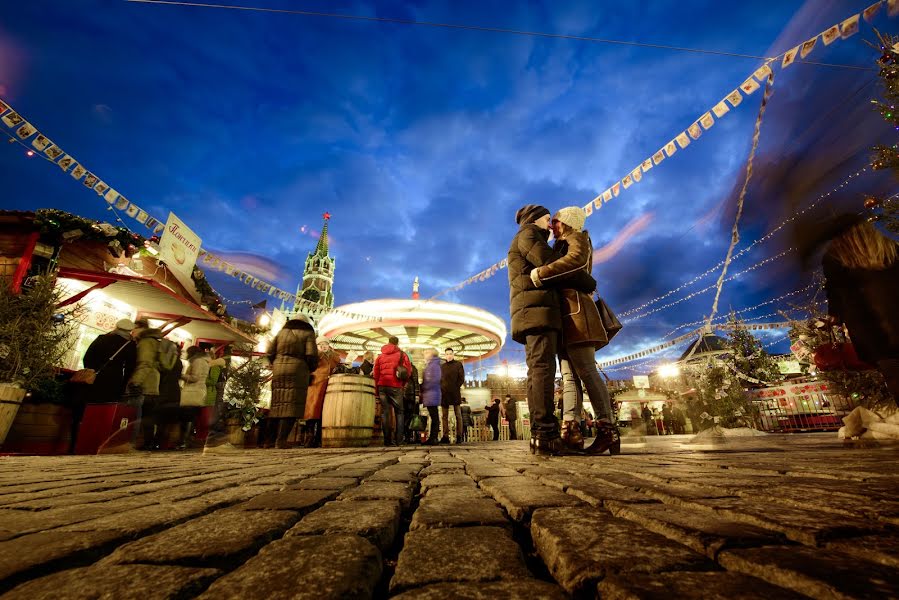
(887, 156)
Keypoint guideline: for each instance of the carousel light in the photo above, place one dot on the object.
(669, 371)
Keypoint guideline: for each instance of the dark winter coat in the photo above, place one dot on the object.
(430, 383)
(386, 364)
(110, 382)
(466, 416)
(366, 368)
(452, 378)
(146, 370)
(293, 354)
(581, 323)
(170, 388)
(867, 301)
(318, 387)
(493, 414)
(411, 392)
(537, 310)
(510, 408)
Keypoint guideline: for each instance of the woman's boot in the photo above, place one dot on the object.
(572, 439)
(607, 438)
(187, 430)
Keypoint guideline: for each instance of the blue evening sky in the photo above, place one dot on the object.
(423, 142)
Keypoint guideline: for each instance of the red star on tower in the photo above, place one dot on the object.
(327, 216)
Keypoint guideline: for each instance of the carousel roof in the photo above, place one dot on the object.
(471, 332)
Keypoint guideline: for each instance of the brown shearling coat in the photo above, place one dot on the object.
(315, 397)
(581, 323)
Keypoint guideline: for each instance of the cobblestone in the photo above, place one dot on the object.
(773, 517)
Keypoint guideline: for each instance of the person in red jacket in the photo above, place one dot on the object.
(389, 388)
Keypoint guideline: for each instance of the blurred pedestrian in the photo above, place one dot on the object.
(451, 382)
(430, 392)
(411, 403)
(509, 410)
(467, 420)
(194, 393)
(293, 356)
(328, 362)
(493, 418)
(391, 372)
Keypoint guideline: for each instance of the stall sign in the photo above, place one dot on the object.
(179, 248)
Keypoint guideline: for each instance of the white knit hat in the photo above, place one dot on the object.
(322, 340)
(573, 216)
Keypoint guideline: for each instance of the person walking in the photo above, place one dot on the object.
(648, 422)
(154, 354)
(112, 356)
(467, 420)
(194, 392)
(582, 335)
(169, 407)
(509, 411)
(451, 381)
(328, 360)
(430, 392)
(493, 418)
(410, 404)
(668, 419)
(293, 355)
(861, 271)
(391, 372)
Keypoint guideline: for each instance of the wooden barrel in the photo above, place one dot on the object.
(349, 411)
(10, 400)
(40, 429)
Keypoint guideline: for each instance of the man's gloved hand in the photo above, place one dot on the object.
(535, 278)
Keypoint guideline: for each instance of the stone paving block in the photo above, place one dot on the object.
(882, 549)
(525, 589)
(126, 582)
(378, 521)
(486, 554)
(39, 553)
(521, 496)
(442, 468)
(582, 545)
(664, 491)
(223, 539)
(447, 479)
(704, 533)
(322, 482)
(454, 507)
(708, 586)
(402, 473)
(381, 490)
(26, 521)
(814, 572)
(479, 472)
(357, 472)
(327, 567)
(597, 492)
(301, 501)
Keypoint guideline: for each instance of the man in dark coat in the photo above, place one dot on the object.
(493, 418)
(112, 355)
(537, 319)
(509, 410)
(467, 421)
(452, 378)
(410, 404)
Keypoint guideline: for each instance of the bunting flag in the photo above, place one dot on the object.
(790, 56)
(849, 27)
(25, 131)
(40, 143)
(707, 120)
(78, 172)
(808, 46)
(695, 131)
(682, 140)
(762, 72)
(720, 109)
(871, 12)
(735, 98)
(831, 35)
(12, 119)
(749, 86)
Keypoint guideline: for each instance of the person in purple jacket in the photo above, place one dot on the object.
(430, 392)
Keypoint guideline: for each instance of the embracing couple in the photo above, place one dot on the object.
(553, 314)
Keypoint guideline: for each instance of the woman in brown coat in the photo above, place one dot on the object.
(582, 335)
(293, 356)
(328, 360)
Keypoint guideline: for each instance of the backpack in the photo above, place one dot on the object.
(402, 373)
(167, 354)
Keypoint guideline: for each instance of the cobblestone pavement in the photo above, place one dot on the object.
(772, 517)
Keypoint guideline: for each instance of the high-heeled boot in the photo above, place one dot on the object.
(607, 438)
(572, 439)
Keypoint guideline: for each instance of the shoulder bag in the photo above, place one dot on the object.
(609, 320)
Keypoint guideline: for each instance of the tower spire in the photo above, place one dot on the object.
(321, 249)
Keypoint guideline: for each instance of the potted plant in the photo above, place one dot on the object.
(242, 392)
(35, 335)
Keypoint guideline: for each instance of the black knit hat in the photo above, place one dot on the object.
(530, 213)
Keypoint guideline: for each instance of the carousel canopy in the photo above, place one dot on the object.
(418, 324)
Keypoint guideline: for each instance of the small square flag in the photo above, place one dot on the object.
(54, 152)
(670, 148)
(132, 210)
(40, 142)
(749, 86)
(12, 119)
(707, 120)
(90, 180)
(683, 140)
(789, 57)
(721, 109)
(122, 203)
(636, 175)
(66, 161)
(101, 188)
(597, 202)
(110, 196)
(831, 35)
(607, 195)
(735, 97)
(695, 131)
(78, 172)
(808, 46)
(892, 8)
(871, 12)
(762, 72)
(849, 27)
(588, 209)
(658, 157)
(141, 217)
(647, 164)
(25, 131)
(627, 182)
(616, 188)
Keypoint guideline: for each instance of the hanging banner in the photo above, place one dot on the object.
(179, 248)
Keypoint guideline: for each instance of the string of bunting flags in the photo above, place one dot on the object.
(25, 131)
(842, 30)
(687, 336)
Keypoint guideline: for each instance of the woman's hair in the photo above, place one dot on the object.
(194, 351)
(429, 353)
(863, 247)
(369, 355)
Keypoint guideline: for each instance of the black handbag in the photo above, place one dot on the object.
(609, 320)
